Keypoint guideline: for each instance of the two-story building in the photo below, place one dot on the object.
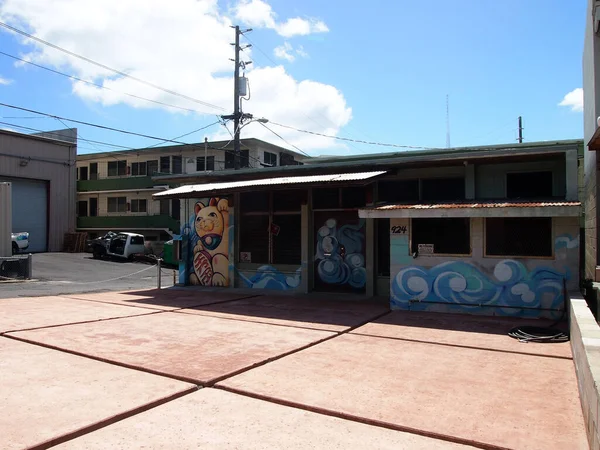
(488, 230)
(114, 189)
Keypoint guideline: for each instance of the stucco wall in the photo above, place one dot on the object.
(591, 54)
(494, 286)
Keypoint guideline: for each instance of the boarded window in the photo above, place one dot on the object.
(529, 185)
(287, 244)
(117, 168)
(254, 237)
(202, 165)
(139, 205)
(448, 236)
(93, 171)
(117, 204)
(518, 236)
(442, 189)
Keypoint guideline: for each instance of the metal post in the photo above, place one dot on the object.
(30, 266)
(236, 101)
(205, 153)
(158, 277)
(520, 139)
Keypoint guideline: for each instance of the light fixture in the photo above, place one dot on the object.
(23, 162)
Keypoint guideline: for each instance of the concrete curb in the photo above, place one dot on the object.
(585, 345)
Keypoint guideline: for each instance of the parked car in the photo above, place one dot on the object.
(20, 241)
(120, 245)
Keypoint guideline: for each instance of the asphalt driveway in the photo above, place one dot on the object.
(64, 273)
(218, 369)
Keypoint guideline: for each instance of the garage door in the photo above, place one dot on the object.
(30, 211)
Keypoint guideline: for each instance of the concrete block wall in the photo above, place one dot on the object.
(585, 345)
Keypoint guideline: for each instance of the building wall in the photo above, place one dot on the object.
(153, 206)
(490, 284)
(47, 160)
(591, 54)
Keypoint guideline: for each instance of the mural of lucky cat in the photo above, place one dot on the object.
(211, 261)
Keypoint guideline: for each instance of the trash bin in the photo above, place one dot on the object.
(168, 253)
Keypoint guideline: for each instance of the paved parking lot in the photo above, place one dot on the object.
(64, 273)
(192, 368)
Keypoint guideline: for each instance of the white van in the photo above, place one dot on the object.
(121, 245)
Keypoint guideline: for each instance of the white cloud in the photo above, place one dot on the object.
(5, 81)
(285, 52)
(185, 49)
(259, 14)
(573, 100)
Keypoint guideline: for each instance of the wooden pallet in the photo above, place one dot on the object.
(74, 242)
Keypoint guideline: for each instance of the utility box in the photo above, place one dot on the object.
(5, 219)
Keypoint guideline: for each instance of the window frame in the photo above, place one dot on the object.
(209, 159)
(435, 254)
(117, 199)
(271, 157)
(485, 237)
(119, 166)
(135, 169)
(138, 202)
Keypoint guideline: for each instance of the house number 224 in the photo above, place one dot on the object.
(399, 229)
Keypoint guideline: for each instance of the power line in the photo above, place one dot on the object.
(72, 77)
(288, 143)
(339, 138)
(187, 134)
(103, 66)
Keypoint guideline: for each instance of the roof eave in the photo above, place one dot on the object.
(520, 211)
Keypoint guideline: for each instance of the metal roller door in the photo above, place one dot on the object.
(30, 211)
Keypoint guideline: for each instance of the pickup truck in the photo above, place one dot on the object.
(20, 241)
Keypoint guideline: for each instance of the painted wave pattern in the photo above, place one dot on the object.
(460, 284)
(268, 277)
(333, 268)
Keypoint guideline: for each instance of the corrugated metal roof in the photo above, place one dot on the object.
(213, 187)
(491, 204)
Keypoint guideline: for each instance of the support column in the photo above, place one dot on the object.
(470, 182)
(305, 246)
(370, 257)
(572, 175)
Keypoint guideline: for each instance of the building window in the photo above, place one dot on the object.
(442, 189)
(117, 204)
(152, 167)
(82, 208)
(271, 224)
(518, 236)
(117, 168)
(83, 173)
(326, 198)
(165, 164)
(138, 168)
(201, 166)
(93, 206)
(398, 191)
(285, 159)
(529, 185)
(270, 159)
(177, 164)
(447, 236)
(165, 207)
(93, 171)
(139, 205)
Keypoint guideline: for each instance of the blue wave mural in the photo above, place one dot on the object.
(460, 285)
(339, 254)
(268, 277)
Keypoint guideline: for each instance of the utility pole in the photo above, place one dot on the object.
(520, 139)
(236, 101)
(237, 116)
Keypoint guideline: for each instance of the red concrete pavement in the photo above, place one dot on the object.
(36, 312)
(494, 398)
(298, 311)
(163, 299)
(189, 347)
(462, 330)
(47, 394)
(214, 419)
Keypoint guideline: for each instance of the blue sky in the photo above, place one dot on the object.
(378, 71)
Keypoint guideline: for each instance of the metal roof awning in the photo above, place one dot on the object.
(594, 143)
(475, 209)
(195, 190)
